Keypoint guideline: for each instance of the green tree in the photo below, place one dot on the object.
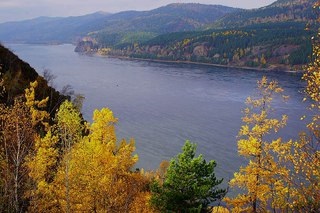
(190, 183)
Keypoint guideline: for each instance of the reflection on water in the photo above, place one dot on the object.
(161, 105)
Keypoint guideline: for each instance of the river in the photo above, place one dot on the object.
(161, 105)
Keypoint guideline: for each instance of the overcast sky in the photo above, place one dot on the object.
(11, 10)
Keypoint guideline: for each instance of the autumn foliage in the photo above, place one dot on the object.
(69, 165)
(85, 173)
(261, 179)
(281, 175)
(65, 164)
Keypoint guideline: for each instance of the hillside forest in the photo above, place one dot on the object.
(52, 160)
(274, 37)
(271, 38)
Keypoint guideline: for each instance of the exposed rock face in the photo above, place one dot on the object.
(154, 49)
(200, 50)
(285, 49)
(85, 46)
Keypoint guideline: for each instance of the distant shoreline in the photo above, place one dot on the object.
(94, 53)
(196, 63)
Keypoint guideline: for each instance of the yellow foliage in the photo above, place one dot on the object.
(267, 181)
(219, 209)
(259, 180)
(41, 167)
(45, 158)
(304, 156)
(141, 204)
(103, 128)
(312, 77)
(16, 142)
(263, 60)
(99, 172)
(38, 114)
(69, 127)
(185, 42)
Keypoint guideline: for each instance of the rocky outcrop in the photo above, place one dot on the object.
(86, 46)
(200, 50)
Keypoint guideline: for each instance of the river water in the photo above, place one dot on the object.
(161, 105)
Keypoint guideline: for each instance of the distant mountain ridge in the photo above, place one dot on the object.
(51, 29)
(283, 3)
(279, 11)
(170, 18)
(271, 37)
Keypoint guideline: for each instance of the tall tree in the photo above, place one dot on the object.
(39, 115)
(261, 180)
(304, 156)
(99, 175)
(42, 165)
(190, 183)
(16, 142)
(17, 131)
(312, 77)
(69, 130)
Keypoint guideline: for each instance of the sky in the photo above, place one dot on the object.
(13, 10)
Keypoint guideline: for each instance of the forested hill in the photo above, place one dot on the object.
(170, 18)
(272, 37)
(279, 11)
(16, 75)
(281, 46)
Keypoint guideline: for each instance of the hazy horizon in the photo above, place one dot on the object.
(17, 10)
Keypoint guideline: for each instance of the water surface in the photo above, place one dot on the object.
(161, 105)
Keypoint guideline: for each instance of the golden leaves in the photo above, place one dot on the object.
(93, 174)
(103, 125)
(280, 175)
(259, 179)
(37, 107)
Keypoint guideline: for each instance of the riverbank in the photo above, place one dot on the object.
(272, 68)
